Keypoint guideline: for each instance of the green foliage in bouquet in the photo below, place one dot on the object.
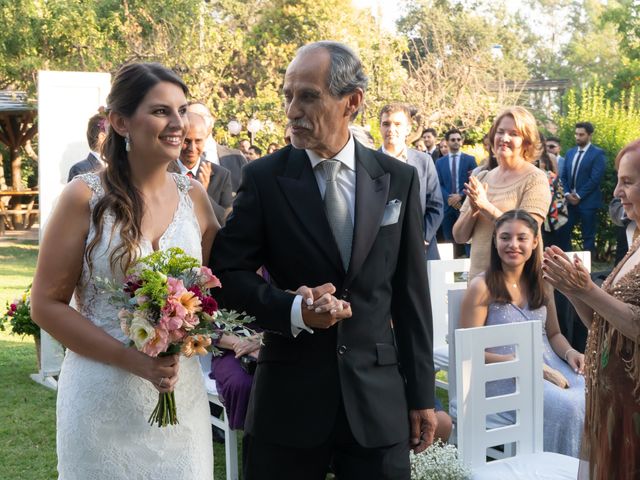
(18, 316)
(172, 262)
(616, 124)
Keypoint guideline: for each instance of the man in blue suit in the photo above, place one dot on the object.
(453, 170)
(395, 126)
(581, 176)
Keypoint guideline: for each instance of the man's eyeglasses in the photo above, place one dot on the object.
(455, 140)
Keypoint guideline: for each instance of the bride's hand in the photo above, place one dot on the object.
(162, 372)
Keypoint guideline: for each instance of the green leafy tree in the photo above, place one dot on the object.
(616, 124)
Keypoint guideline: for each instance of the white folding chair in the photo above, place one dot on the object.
(442, 279)
(472, 374)
(585, 257)
(445, 250)
(230, 435)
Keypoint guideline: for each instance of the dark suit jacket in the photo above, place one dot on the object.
(430, 198)
(466, 164)
(219, 189)
(232, 160)
(436, 154)
(89, 164)
(278, 221)
(589, 176)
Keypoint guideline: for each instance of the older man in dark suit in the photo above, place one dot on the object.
(231, 159)
(215, 179)
(96, 133)
(395, 126)
(338, 228)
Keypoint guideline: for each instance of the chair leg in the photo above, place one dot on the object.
(230, 449)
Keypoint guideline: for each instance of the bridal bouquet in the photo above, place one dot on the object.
(168, 309)
(438, 462)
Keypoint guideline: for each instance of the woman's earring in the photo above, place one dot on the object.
(127, 143)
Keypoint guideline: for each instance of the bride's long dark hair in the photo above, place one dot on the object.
(532, 272)
(122, 199)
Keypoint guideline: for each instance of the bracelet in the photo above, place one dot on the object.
(566, 354)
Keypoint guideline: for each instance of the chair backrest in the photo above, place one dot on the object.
(445, 250)
(441, 280)
(585, 257)
(527, 401)
(455, 302)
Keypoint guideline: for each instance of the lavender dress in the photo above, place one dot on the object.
(563, 408)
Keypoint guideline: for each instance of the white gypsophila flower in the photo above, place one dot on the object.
(141, 331)
(438, 462)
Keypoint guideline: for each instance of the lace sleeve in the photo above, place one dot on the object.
(92, 180)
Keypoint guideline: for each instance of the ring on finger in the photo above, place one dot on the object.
(161, 382)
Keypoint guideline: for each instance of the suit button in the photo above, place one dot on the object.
(342, 349)
(345, 295)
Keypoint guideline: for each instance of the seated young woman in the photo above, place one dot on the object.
(512, 290)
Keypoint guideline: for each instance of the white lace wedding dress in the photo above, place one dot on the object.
(102, 411)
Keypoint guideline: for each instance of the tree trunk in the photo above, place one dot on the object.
(16, 169)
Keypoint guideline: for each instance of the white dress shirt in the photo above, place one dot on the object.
(184, 170)
(575, 167)
(401, 156)
(346, 181)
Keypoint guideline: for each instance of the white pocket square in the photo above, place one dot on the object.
(391, 212)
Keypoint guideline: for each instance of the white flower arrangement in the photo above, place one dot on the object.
(438, 462)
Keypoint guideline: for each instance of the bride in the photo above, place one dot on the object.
(101, 225)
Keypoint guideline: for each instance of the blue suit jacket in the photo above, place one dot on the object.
(589, 176)
(465, 165)
(430, 198)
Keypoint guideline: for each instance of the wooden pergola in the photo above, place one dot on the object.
(17, 126)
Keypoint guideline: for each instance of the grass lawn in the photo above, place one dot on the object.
(27, 430)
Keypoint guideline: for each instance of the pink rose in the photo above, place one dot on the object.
(176, 336)
(207, 279)
(170, 322)
(190, 322)
(158, 344)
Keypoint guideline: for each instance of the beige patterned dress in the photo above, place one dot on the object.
(530, 192)
(611, 440)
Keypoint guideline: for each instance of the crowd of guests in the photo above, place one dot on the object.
(502, 212)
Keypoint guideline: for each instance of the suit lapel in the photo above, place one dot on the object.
(372, 190)
(299, 186)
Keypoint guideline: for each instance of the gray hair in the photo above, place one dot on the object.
(345, 72)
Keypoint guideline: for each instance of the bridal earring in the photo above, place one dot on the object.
(127, 142)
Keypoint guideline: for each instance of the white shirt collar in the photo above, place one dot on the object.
(585, 148)
(184, 169)
(347, 155)
(402, 156)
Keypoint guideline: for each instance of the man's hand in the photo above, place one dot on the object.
(573, 199)
(320, 309)
(204, 174)
(454, 200)
(423, 427)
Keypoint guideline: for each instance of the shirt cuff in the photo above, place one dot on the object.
(297, 323)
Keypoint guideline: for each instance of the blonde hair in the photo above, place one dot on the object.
(526, 127)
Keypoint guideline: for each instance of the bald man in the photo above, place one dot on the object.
(231, 159)
(215, 179)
